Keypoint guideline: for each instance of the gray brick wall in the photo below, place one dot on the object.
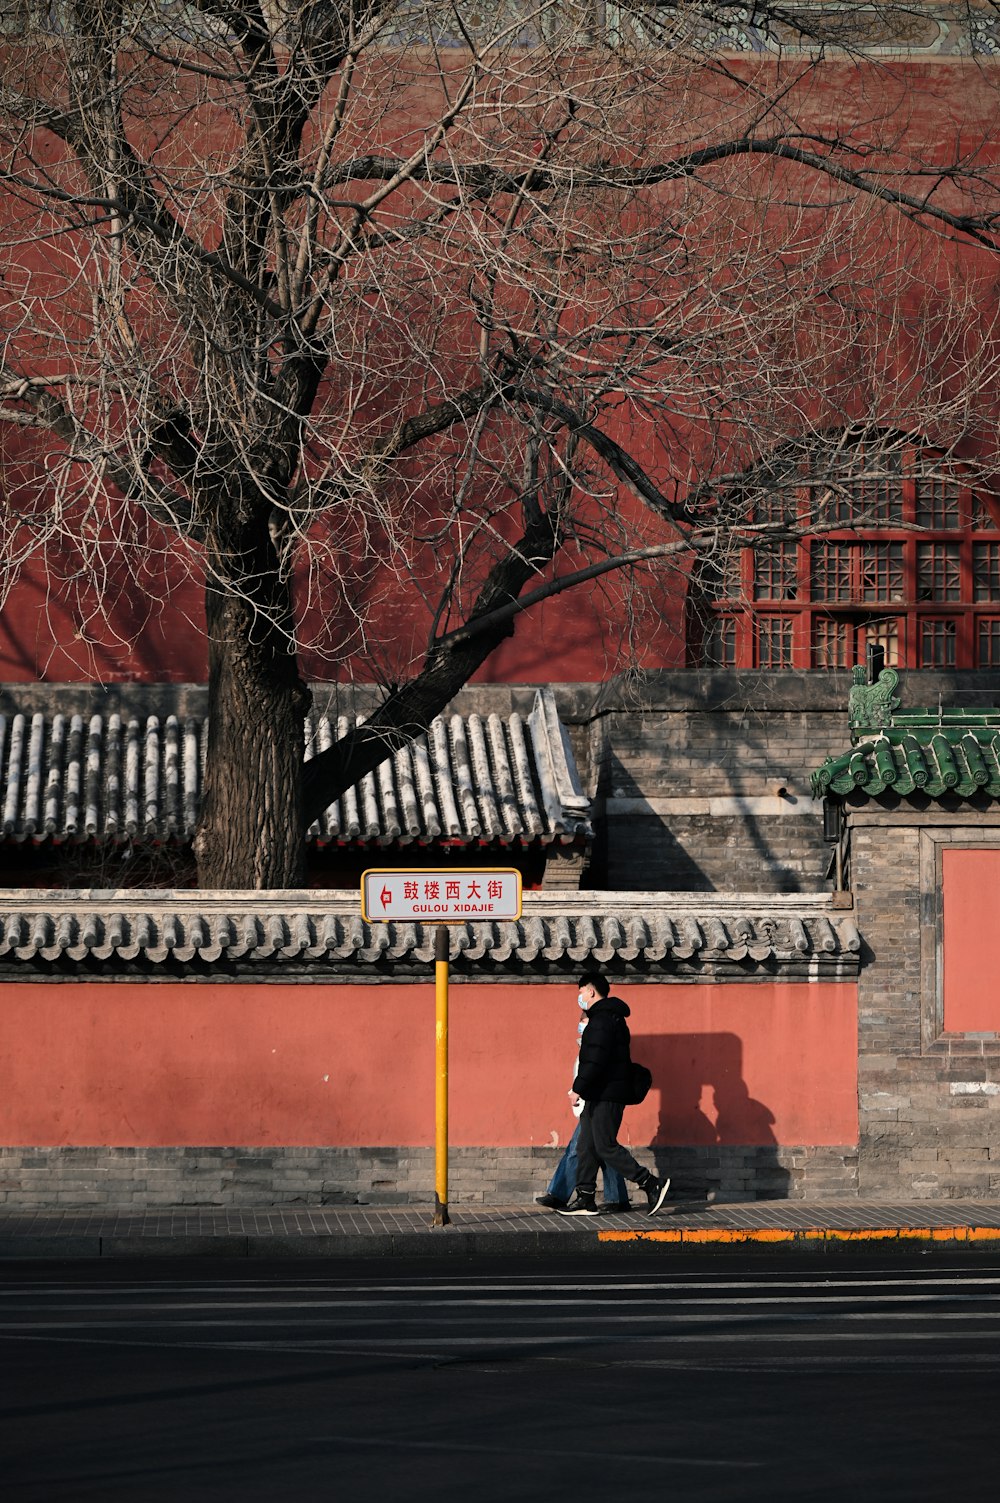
(702, 779)
(710, 790)
(919, 1137)
(149, 1178)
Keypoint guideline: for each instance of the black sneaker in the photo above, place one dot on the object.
(655, 1191)
(614, 1208)
(580, 1205)
(550, 1202)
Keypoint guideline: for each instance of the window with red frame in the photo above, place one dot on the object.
(904, 556)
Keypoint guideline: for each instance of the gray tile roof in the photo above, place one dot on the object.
(114, 777)
(659, 929)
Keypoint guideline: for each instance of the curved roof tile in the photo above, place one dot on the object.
(107, 778)
(930, 750)
(647, 928)
(965, 764)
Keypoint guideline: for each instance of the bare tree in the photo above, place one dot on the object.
(466, 304)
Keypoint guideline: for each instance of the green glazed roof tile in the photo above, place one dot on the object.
(930, 750)
(946, 765)
(913, 759)
(952, 760)
(885, 762)
(974, 758)
(991, 761)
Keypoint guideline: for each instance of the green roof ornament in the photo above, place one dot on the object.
(931, 752)
(870, 706)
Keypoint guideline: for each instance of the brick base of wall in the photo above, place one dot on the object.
(143, 1178)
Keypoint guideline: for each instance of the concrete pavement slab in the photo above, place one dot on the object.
(377, 1231)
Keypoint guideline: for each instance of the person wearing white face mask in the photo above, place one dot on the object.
(605, 1083)
(562, 1184)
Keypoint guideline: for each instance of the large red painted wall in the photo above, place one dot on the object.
(930, 109)
(269, 1065)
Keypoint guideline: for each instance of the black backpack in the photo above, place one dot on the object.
(639, 1081)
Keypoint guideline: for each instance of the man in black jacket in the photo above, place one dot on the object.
(603, 1082)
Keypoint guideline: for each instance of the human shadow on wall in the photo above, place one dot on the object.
(712, 1135)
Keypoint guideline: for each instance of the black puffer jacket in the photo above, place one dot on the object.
(604, 1067)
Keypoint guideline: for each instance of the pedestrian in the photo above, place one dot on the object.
(560, 1188)
(603, 1083)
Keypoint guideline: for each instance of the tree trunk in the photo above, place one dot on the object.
(409, 710)
(251, 830)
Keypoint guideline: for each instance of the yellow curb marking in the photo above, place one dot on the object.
(674, 1236)
(695, 1235)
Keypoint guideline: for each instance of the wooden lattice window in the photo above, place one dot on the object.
(904, 555)
(989, 642)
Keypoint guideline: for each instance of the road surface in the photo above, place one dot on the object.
(716, 1378)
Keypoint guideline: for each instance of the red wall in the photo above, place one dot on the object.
(971, 900)
(925, 110)
(187, 1064)
(581, 635)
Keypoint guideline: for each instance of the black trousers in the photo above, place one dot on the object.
(598, 1144)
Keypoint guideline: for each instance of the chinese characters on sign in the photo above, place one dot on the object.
(441, 897)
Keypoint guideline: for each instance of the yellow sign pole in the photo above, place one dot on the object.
(441, 1217)
(440, 896)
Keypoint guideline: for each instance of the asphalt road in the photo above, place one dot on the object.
(653, 1377)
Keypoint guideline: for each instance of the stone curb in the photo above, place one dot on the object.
(451, 1242)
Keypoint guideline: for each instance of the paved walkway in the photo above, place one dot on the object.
(366, 1231)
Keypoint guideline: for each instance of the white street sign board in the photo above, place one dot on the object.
(451, 895)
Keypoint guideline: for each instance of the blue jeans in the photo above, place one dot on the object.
(563, 1182)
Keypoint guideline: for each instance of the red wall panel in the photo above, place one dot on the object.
(971, 898)
(255, 1065)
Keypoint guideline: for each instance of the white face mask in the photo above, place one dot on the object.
(582, 1001)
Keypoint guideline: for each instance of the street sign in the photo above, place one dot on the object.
(449, 895)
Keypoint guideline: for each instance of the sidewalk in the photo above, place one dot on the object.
(377, 1231)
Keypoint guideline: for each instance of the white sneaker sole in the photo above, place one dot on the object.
(665, 1186)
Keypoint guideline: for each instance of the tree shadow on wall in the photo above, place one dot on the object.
(727, 748)
(712, 1135)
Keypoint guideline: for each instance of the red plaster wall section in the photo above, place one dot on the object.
(971, 898)
(165, 1064)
